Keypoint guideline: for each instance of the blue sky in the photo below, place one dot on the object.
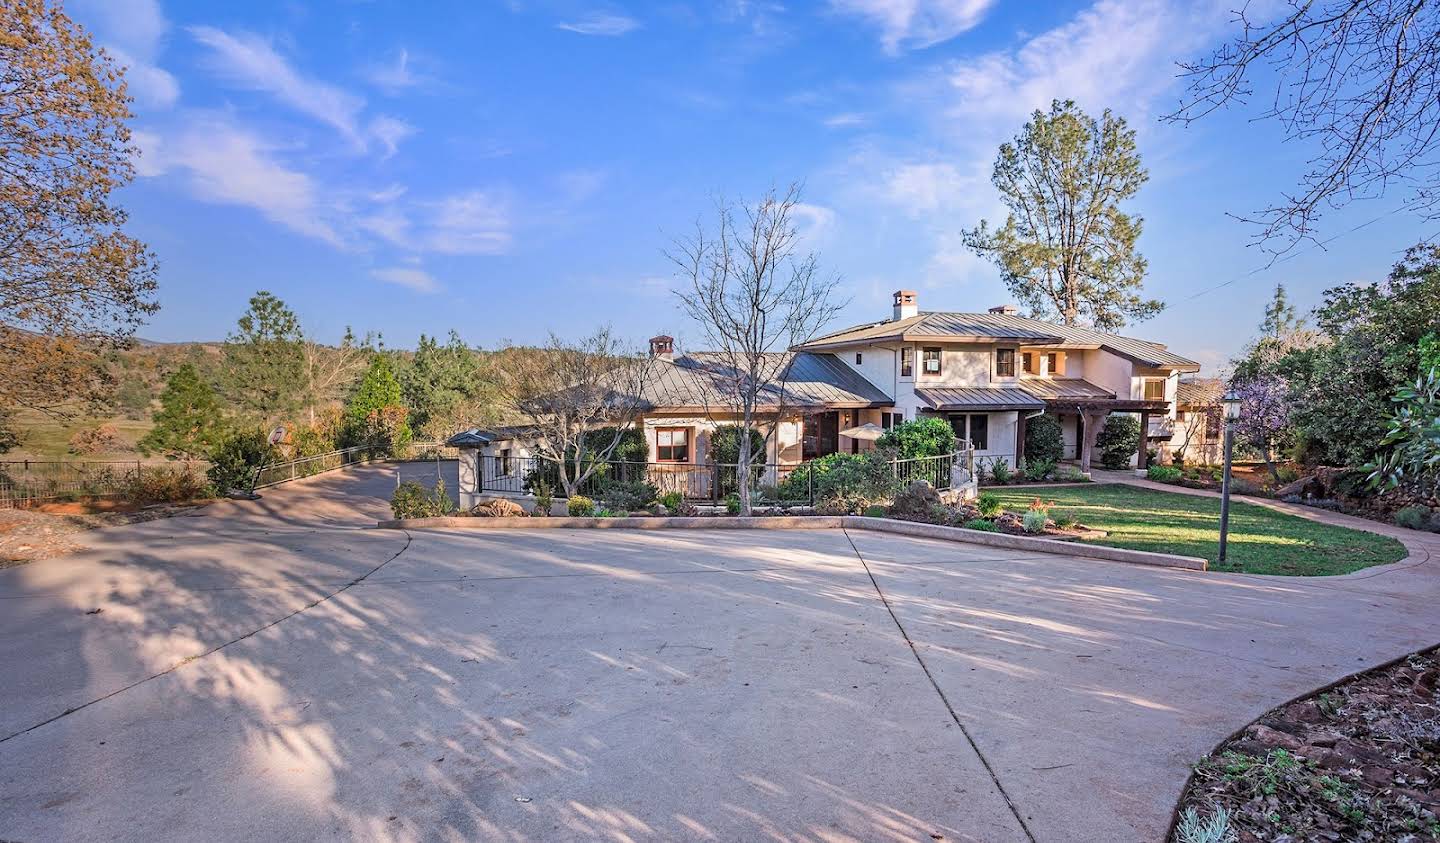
(511, 168)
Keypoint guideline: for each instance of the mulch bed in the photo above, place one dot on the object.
(1359, 762)
(53, 529)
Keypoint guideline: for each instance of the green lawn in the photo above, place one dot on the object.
(1262, 541)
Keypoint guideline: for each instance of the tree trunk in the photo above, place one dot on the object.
(742, 470)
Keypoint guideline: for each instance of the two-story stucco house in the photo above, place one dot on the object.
(987, 374)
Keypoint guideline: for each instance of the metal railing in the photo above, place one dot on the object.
(274, 474)
(792, 483)
(28, 482)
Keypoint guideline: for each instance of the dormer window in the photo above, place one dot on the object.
(1004, 362)
(930, 360)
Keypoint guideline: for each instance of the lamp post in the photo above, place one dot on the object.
(1232, 412)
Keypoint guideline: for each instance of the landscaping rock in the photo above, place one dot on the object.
(498, 508)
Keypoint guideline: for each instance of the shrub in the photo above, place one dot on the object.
(989, 504)
(412, 500)
(875, 511)
(1163, 473)
(684, 509)
(1071, 474)
(1034, 520)
(1064, 520)
(844, 482)
(982, 525)
(544, 499)
(629, 497)
(1044, 440)
(1000, 472)
(580, 506)
(1413, 517)
(235, 460)
(915, 502)
(93, 440)
(1036, 470)
(732, 503)
(928, 436)
(164, 484)
(1118, 441)
(671, 500)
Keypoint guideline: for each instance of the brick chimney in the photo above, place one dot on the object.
(905, 305)
(662, 346)
(1005, 309)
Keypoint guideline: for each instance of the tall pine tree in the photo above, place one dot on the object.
(189, 422)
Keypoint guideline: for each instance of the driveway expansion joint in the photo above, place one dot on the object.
(914, 651)
(217, 648)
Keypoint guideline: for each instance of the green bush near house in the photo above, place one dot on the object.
(1163, 473)
(1118, 441)
(1044, 439)
(982, 525)
(412, 500)
(989, 504)
(927, 436)
(580, 506)
(630, 496)
(1413, 517)
(235, 460)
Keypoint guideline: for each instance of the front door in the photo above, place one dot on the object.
(822, 435)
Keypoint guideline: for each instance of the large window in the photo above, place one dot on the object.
(1154, 389)
(974, 427)
(907, 362)
(889, 420)
(930, 361)
(1004, 362)
(1214, 424)
(672, 444)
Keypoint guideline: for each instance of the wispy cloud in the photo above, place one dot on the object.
(229, 165)
(389, 131)
(916, 24)
(407, 276)
(847, 120)
(601, 23)
(251, 62)
(395, 77)
(473, 223)
(133, 31)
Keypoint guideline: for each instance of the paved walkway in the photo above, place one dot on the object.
(269, 671)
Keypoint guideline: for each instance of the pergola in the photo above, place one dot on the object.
(1092, 412)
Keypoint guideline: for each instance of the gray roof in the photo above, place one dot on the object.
(698, 382)
(1199, 391)
(1064, 388)
(992, 398)
(982, 327)
(477, 437)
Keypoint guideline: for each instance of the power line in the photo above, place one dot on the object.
(1293, 255)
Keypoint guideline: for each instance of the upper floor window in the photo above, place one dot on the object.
(930, 361)
(1027, 363)
(1004, 362)
(1055, 363)
(859, 358)
(1154, 389)
(672, 444)
(907, 362)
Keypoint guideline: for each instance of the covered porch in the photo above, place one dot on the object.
(1085, 416)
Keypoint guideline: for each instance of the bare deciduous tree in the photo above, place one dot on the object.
(330, 371)
(1360, 79)
(753, 295)
(580, 397)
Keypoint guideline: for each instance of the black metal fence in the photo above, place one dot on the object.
(794, 483)
(28, 482)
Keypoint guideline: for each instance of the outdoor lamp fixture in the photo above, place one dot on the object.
(1232, 412)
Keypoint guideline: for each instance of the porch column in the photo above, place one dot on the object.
(1143, 457)
(1092, 423)
(1020, 439)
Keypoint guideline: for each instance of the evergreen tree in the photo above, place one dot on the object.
(378, 408)
(1280, 316)
(1066, 249)
(440, 379)
(189, 422)
(264, 359)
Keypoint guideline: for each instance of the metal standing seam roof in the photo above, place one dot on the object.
(1199, 391)
(698, 380)
(1047, 388)
(1001, 326)
(991, 398)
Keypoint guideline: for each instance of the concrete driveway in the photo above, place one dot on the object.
(271, 671)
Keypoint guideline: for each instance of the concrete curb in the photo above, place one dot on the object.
(811, 522)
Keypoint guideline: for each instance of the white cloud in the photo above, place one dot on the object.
(927, 187)
(147, 160)
(249, 60)
(916, 24)
(396, 77)
(389, 131)
(407, 276)
(132, 31)
(229, 165)
(473, 223)
(848, 120)
(601, 23)
(813, 222)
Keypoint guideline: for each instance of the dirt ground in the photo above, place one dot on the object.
(53, 529)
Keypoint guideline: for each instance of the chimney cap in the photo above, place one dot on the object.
(662, 345)
(1007, 309)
